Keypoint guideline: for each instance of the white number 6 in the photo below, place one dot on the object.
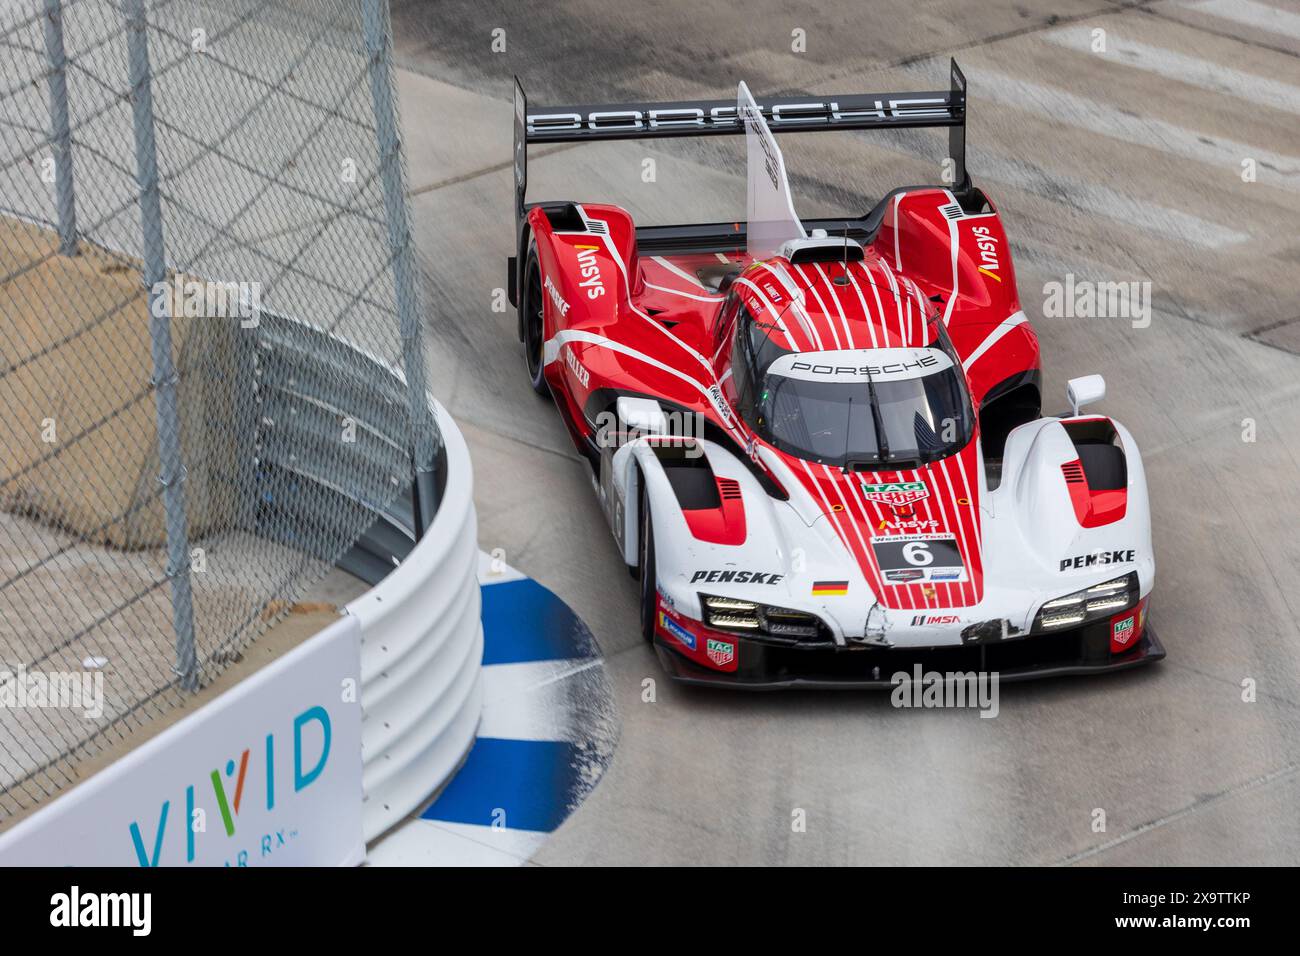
(917, 554)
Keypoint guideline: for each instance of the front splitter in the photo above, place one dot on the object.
(876, 668)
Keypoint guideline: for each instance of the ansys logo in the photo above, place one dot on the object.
(228, 789)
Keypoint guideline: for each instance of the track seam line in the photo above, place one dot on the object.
(1221, 34)
(1279, 774)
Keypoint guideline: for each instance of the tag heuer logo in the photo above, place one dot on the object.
(1123, 631)
(721, 652)
(896, 494)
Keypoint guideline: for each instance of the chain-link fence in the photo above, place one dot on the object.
(208, 324)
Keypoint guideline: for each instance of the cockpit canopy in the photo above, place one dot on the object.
(875, 409)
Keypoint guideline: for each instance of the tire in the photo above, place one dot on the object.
(530, 307)
(646, 566)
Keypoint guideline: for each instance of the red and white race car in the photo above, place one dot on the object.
(819, 443)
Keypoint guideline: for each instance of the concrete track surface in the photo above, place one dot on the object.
(1122, 165)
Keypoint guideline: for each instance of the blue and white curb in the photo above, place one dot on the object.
(548, 731)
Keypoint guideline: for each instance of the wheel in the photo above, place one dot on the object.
(534, 332)
(646, 567)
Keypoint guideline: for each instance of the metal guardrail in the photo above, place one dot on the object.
(421, 636)
(304, 404)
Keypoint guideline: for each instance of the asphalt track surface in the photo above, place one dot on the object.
(1123, 165)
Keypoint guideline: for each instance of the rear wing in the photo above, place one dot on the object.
(786, 114)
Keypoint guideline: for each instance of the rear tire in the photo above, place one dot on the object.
(646, 554)
(530, 305)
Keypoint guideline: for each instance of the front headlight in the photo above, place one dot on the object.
(731, 614)
(1091, 603)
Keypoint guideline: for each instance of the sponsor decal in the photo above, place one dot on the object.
(987, 244)
(721, 653)
(753, 118)
(903, 577)
(577, 368)
(1097, 558)
(901, 525)
(814, 114)
(906, 368)
(919, 557)
(896, 494)
(1126, 627)
(557, 300)
(933, 620)
(589, 267)
(664, 597)
(719, 403)
(737, 577)
(683, 636)
(830, 588)
(1122, 631)
(228, 791)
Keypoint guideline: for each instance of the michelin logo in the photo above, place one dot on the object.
(676, 630)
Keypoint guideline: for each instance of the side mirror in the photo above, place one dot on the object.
(641, 414)
(1082, 391)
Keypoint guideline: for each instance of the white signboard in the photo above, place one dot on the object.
(267, 774)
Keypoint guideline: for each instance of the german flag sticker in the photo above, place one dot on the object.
(830, 588)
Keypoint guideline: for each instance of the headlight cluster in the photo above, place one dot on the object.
(1100, 600)
(731, 614)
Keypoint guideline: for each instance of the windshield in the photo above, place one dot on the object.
(819, 406)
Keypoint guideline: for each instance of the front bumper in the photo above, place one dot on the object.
(760, 666)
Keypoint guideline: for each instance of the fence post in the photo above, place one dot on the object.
(172, 471)
(424, 430)
(60, 133)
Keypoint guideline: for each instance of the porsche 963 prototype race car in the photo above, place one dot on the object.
(819, 443)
